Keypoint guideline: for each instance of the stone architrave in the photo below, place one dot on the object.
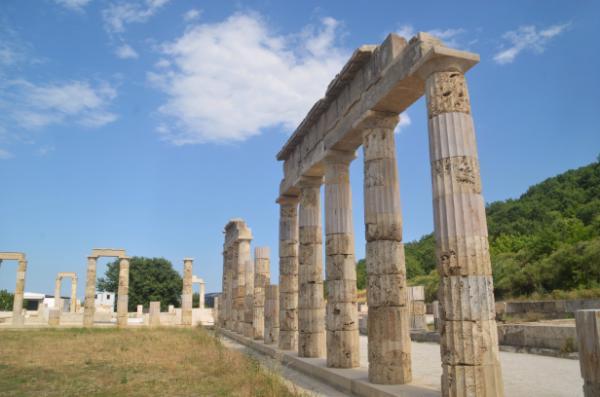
(469, 341)
(342, 310)
(154, 314)
(261, 281)
(389, 336)
(123, 293)
(588, 336)
(271, 314)
(186, 295)
(311, 303)
(17, 314)
(288, 272)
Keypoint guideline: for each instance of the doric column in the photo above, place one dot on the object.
(123, 293)
(249, 297)
(225, 301)
(588, 336)
(73, 307)
(271, 314)
(201, 292)
(342, 311)
(90, 293)
(186, 294)
(288, 272)
(469, 341)
(261, 280)
(239, 289)
(311, 303)
(57, 299)
(217, 310)
(18, 318)
(389, 337)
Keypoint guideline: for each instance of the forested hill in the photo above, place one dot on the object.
(546, 240)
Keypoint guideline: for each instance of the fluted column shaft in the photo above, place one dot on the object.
(57, 299)
(271, 333)
(123, 293)
(249, 297)
(73, 306)
(90, 292)
(469, 341)
(342, 311)
(225, 312)
(245, 286)
(389, 337)
(311, 303)
(288, 273)
(261, 281)
(187, 293)
(18, 318)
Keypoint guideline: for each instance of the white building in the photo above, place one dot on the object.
(105, 301)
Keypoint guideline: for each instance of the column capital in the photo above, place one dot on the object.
(310, 181)
(287, 200)
(188, 259)
(124, 258)
(339, 157)
(92, 257)
(375, 119)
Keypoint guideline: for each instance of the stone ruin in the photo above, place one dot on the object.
(17, 314)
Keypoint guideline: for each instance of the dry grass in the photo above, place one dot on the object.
(134, 362)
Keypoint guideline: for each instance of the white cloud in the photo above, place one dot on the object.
(448, 36)
(125, 51)
(75, 5)
(405, 121)
(30, 106)
(230, 80)
(5, 155)
(117, 15)
(44, 150)
(191, 15)
(527, 38)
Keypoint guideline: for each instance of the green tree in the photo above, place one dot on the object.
(6, 300)
(150, 279)
(361, 274)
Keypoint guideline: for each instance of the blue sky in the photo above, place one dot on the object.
(147, 124)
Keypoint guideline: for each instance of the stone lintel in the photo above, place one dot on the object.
(197, 280)
(62, 275)
(108, 252)
(12, 256)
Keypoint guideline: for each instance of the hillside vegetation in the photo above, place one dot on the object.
(545, 242)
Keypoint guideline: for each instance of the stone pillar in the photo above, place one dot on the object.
(73, 306)
(311, 303)
(187, 293)
(57, 298)
(140, 311)
(154, 314)
(261, 280)
(217, 311)
(588, 336)
(54, 317)
(389, 337)
(240, 288)
(416, 307)
(249, 297)
(272, 314)
(123, 293)
(90, 293)
(202, 292)
(436, 315)
(288, 272)
(342, 311)
(468, 339)
(228, 291)
(18, 318)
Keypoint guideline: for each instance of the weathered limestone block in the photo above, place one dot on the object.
(154, 314)
(123, 293)
(388, 325)
(271, 334)
(54, 317)
(140, 311)
(187, 292)
(90, 293)
(417, 308)
(466, 287)
(288, 272)
(588, 337)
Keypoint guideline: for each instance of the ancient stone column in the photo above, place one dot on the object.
(140, 311)
(187, 293)
(261, 280)
(389, 338)
(288, 272)
(154, 314)
(73, 306)
(342, 311)
(249, 297)
(90, 293)
(202, 292)
(469, 341)
(436, 315)
(311, 303)
(416, 307)
(588, 336)
(271, 314)
(57, 298)
(217, 311)
(123, 293)
(18, 318)
(240, 288)
(228, 291)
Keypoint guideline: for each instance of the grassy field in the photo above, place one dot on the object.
(135, 362)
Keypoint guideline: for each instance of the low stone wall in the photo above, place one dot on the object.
(550, 308)
(544, 335)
